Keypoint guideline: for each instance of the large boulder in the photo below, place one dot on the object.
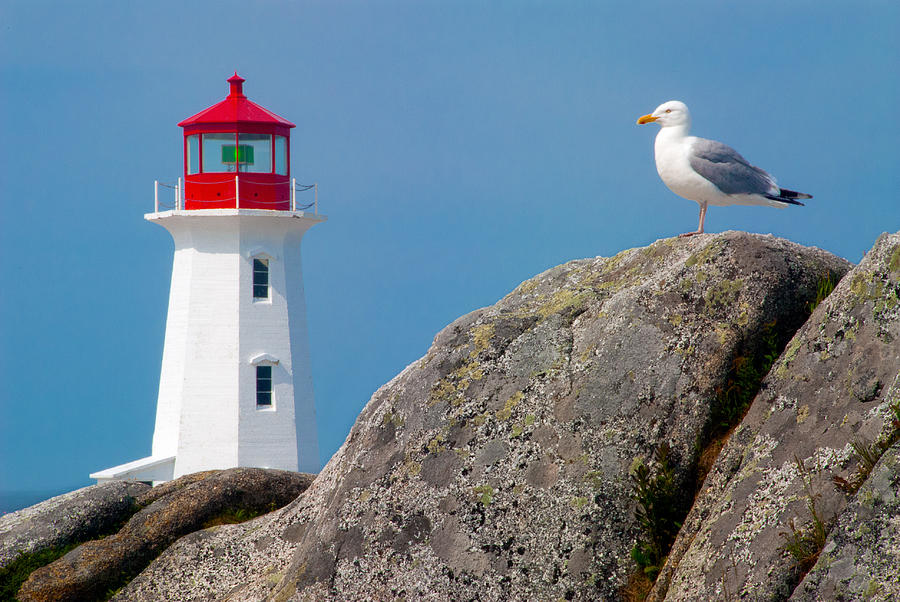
(786, 470)
(80, 515)
(500, 465)
(170, 511)
(861, 560)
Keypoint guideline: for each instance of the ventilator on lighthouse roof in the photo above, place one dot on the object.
(237, 155)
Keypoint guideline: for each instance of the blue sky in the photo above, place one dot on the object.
(459, 147)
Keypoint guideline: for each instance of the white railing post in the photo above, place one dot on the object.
(237, 193)
(316, 185)
(156, 196)
(293, 194)
(179, 204)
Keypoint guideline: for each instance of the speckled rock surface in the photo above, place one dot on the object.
(497, 466)
(172, 510)
(833, 384)
(861, 560)
(75, 516)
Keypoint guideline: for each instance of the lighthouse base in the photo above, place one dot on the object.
(152, 470)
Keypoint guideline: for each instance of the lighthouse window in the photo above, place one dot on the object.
(193, 154)
(281, 155)
(264, 385)
(260, 279)
(256, 153)
(215, 153)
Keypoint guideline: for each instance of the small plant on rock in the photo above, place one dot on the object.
(824, 287)
(805, 544)
(742, 383)
(867, 455)
(235, 515)
(658, 513)
(14, 574)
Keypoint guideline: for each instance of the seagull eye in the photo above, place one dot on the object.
(668, 110)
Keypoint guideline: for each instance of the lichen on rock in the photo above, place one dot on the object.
(497, 465)
(72, 517)
(167, 512)
(832, 386)
(860, 560)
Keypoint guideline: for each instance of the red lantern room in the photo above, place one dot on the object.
(237, 155)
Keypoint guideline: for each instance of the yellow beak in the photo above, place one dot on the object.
(646, 119)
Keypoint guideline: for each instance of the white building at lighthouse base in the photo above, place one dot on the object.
(235, 385)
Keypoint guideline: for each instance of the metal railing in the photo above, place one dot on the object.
(179, 195)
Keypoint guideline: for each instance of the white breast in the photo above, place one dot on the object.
(673, 166)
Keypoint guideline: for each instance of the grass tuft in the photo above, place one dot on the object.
(637, 588)
(741, 384)
(867, 455)
(659, 512)
(805, 543)
(233, 516)
(824, 287)
(13, 575)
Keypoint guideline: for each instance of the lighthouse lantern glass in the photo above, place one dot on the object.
(193, 154)
(281, 155)
(258, 154)
(214, 153)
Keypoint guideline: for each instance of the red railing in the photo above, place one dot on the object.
(180, 200)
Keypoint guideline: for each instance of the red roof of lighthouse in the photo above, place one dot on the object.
(236, 108)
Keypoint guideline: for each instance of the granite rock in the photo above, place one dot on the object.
(76, 516)
(168, 512)
(861, 558)
(498, 465)
(833, 386)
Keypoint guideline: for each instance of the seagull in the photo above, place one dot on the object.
(707, 171)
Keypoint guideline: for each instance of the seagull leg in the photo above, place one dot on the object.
(700, 227)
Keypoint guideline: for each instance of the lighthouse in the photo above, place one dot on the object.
(235, 385)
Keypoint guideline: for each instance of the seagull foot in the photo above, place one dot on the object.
(686, 234)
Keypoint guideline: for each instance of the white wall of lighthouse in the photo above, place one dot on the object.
(217, 333)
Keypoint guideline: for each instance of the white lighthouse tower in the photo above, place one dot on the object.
(235, 387)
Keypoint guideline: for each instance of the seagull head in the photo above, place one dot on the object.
(668, 114)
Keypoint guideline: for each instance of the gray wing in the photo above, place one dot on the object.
(728, 170)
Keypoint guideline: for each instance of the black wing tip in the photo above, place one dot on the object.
(793, 194)
(789, 196)
(788, 200)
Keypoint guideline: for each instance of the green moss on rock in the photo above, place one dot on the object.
(723, 293)
(894, 263)
(484, 493)
(704, 255)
